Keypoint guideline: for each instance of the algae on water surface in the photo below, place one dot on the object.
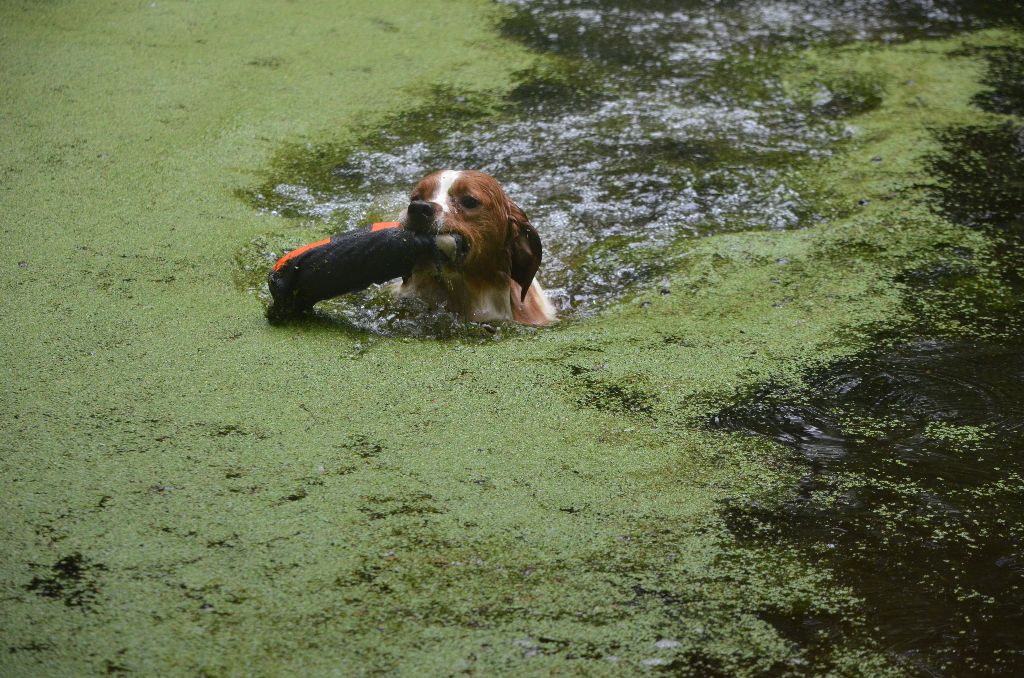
(189, 491)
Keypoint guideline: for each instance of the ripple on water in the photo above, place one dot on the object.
(615, 187)
(912, 491)
(665, 123)
(913, 475)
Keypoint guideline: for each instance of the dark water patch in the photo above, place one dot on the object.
(814, 632)
(72, 580)
(695, 663)
(1004, 79)
(620, 396)
(654, 37)
(912, 491)
(271, 62)
(981, 186)
(32, 646)
(112, 667)
(363, 447)
(982, 173)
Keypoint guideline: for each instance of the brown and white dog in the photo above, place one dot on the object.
(496, 279)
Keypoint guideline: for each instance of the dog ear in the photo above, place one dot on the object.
(525, 249)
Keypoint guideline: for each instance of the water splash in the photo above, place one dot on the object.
(660, 122)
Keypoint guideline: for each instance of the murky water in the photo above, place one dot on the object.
(914, 459)
(911, 492)
(663, 122)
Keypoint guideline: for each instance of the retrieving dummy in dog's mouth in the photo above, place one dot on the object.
(461, 244)
(496, 279)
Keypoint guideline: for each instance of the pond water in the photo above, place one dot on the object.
(663, 122)
(911, 492)
(912, 454)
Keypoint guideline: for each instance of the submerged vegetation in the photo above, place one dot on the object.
(775, 433)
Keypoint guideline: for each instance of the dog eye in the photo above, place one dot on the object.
(469, 202)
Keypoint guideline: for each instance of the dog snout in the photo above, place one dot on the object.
(421, 214)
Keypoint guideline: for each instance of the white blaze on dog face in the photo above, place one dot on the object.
(501, 254)
(444, 185)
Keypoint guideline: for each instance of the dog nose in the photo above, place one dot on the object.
(421, 213)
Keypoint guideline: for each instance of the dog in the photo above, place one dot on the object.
(495, 279)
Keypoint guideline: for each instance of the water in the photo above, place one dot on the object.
(664, 122)
(913, 473)
(613, 188)
(913, 457)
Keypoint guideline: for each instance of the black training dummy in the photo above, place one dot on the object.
(349, 262)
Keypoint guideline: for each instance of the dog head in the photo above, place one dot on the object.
(502, 243)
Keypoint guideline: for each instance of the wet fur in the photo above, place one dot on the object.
(504, 250)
